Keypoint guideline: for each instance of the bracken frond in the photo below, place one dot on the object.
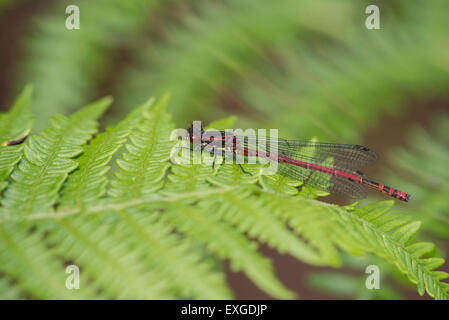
(162, 230)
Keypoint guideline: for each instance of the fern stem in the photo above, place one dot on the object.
(113, 205)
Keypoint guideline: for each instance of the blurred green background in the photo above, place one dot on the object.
(309, 68)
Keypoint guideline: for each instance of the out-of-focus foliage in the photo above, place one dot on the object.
(305, 76)
(311, 68)
(67, 66)
(4, 4)
(426, 160)
(352, 284)
(58, 205)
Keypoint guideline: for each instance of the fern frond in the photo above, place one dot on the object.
(15, 124)
(189, 273)
(35, 255)
(160, 233)
(104, 254)
(19, 120)
(259, 218)
(48, 160)
(280, 184)
(203, 224)
(89, 182)
(188, 178)
(389, 237)
(143, 168)
(26, 261)
(376, 230)
(144, 164)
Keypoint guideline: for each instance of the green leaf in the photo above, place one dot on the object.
(16, 124)
(280, 184)
(48, 160)
(144, 164)
(19, 120)
(374, 210)
(420, 248)
(407, 231)
(89, 183)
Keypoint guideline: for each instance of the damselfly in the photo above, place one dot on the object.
(326, 166)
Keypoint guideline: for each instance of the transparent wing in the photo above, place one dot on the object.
(324, 181)
(344, 156)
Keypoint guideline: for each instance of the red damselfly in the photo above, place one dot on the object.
(329, 167)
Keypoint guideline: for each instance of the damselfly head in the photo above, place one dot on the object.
(192, 132)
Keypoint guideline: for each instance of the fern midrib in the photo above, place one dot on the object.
(79, 199)
(147, 155)
(115, 206)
